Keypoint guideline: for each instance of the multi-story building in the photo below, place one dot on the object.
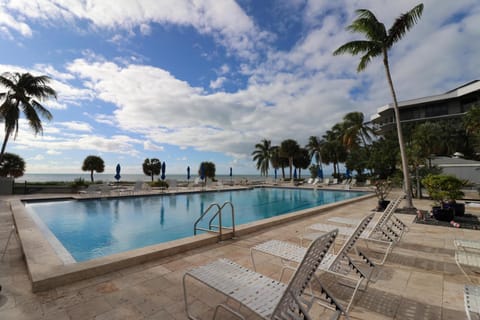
(452, 104)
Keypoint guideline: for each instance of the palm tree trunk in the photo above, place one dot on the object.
(91, 175)
(4, 145)
(290, 164)
(403, 155)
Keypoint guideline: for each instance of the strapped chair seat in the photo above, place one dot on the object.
(266, 297)
(468, 259)
(467, 244)
(472, 302)
(338, 264)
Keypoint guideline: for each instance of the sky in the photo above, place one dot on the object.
(187, 81)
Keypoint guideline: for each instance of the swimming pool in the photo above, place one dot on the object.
(89, 229)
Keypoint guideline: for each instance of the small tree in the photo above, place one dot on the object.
(208, 169)
(12, 166)
(443, 188)
(93, 163)
(151, 167)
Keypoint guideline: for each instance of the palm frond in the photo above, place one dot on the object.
(355, 47)
(43, 111)
(5, 80)
(404, 23)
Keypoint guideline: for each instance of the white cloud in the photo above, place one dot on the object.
(224, 20)
(38, 157)
(76, 126)
(217, 83)
(8, 22)
(150, 146)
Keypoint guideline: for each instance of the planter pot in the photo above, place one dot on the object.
(382, 205)
(443, 214)
(458, 208)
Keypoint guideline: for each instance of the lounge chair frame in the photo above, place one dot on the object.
(339, 264)
(266, 297)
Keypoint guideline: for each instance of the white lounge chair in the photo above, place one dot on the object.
(467, 255)
(92, 189)
(381, 232)
(471, 296)
(467, 244)
(338, 264)
(263, 296)
(397, 226)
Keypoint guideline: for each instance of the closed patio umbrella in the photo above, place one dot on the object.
(320, 173)
(117, 175)
(188, 173)
(163, 170)
(275, 173)
(202, 172)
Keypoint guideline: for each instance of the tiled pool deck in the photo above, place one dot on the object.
(420, 279)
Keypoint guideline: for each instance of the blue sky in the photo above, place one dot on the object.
(188, 81)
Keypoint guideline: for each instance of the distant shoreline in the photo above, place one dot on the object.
(109, 177)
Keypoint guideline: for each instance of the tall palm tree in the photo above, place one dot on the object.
(333, 150)
(262, 155)
(378, 42)
(314, 147)
(288, 149)
(354, 129)
(24, 91)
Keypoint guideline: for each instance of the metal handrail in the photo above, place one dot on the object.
(219, 214)
(203, 214)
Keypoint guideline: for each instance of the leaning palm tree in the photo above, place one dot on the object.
(24, 91)
(262, 155)
(378, 42)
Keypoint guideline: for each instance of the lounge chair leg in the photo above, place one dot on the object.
(8, 242)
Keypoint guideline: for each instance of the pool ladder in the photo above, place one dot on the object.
(214, 227)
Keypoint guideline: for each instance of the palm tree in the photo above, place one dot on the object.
(355, 129)
(93, 163)
(12, 165)
(263, 155)
(471, 120)
(23, 91)
(288, 149)
(151, 167)
(378, 42)
(314, 147)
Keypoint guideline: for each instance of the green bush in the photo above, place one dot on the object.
(443, 188)
(79, 182)
(159, 184)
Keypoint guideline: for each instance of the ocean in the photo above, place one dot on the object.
(108, 177)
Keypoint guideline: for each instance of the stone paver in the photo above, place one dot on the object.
(419, 280)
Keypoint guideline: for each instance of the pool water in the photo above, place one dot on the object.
(93, 228)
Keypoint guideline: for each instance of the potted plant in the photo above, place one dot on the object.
(445, 190)
(382, 189)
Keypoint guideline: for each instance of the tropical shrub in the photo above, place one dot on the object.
(443, 188)
(12, 165)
